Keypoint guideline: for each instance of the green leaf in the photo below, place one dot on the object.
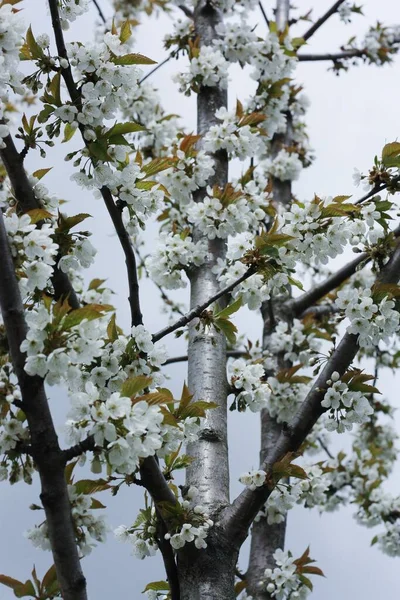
(50, 579)
(230, 310)
(66, 223)
(99, 149)
(55, 88)
(134, 385)
(96, 283)
(69, 470)
(89, 312)
(227, 328)
(40, 173)
(195, 409)
(126, 32)
(69, 132)
(25, 589)
(121, 128)
(91, 486)
(133, 59)
(161, 396)
(9, 581)
(45, 113)
(390, 151)
(38, 214)
(156, 586)
(112, 331)
(35, 50)
(96, 504)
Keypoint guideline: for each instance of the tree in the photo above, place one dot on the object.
(242, 240)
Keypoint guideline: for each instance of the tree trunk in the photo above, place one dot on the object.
(208, 574)
(265, 538)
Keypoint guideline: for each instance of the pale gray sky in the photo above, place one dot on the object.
(350, 119)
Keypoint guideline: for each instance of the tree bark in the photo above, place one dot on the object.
(46, 452)
(265, 538)
(208, 574)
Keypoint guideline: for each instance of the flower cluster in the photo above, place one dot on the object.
(141, 534)
(173, 254)
(308, 492)
(207, 68)
(33, 250)
(294, 342)
(372, 322)
(345, 12)
(11, 37)
(284, 582)
(89, 529)
(284, 166)
(239, 140)
(224, 213)
(345, 406)
(70, 10)
(191, 170)
(253, 479)
(247, 385)
(285, 397)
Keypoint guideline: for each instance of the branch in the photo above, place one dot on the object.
(154, 481)
(161, 64)
(186, 11)
(74, 451)
(130, 261)
(229, 354)
(238, 517)
(264, 14)
(306, 301)
(197, 310)
(322, 20)
(168, 556)
(46, 452)
(101, 14)
(26, 201)
(337, 56)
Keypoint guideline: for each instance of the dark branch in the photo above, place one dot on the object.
(238, 517)
(101, 14)
(130, 259)
(26, 201)
(334, 57)
(322, 20)
(264, 14)
(154, 481)
(45, 449)
(306, 301)
(168, 556)
(196, 312)
(85, 446)
(186, 11)
(161, 64)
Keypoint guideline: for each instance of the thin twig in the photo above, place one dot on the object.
(101, 14)
(183, 358)
(84, 446)
(264, 14)
(324, 447)
(161, 64)
(186, 11)
(334, 56)
(197, 310)
(322, 20)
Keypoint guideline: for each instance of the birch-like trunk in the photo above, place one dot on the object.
(265, 538)
(208, 574)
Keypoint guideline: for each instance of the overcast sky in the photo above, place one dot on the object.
(350, 119)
